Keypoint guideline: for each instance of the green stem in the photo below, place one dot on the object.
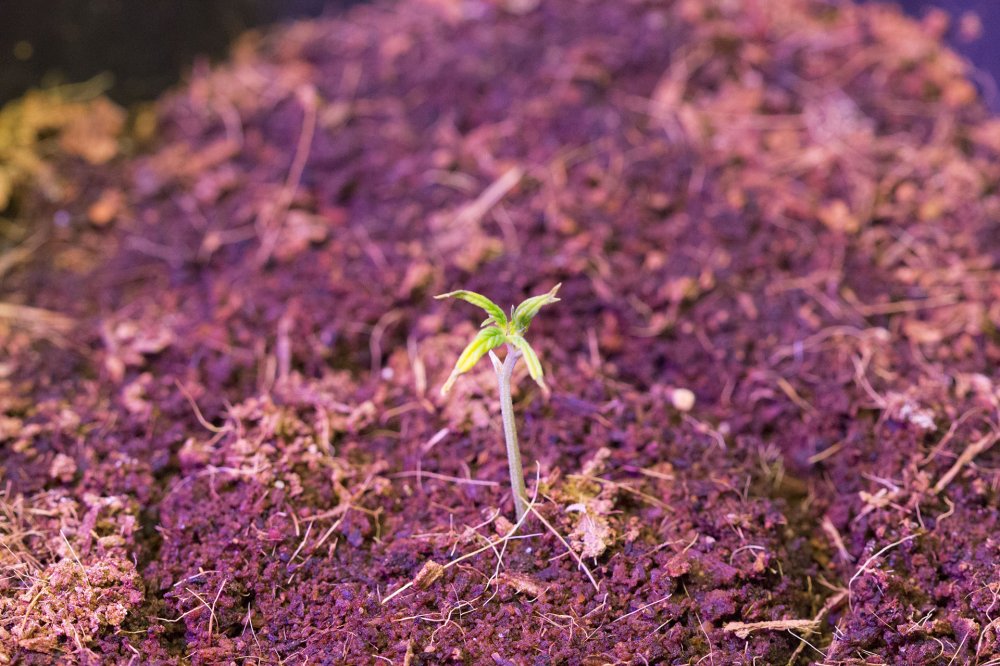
(504, 374)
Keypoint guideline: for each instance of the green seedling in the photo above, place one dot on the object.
(499, 330)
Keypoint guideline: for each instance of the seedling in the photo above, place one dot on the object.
(498, 330)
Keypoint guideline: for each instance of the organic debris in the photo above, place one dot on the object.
(220, 439)
(39, 130)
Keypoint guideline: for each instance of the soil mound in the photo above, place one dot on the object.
(220, 431)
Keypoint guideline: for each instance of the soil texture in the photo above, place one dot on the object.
(221, 438)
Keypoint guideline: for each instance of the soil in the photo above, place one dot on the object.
(222, 439)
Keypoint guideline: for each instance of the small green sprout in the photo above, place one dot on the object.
(497, 330)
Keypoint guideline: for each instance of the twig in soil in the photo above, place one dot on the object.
(31, 606)
(460, 608)
(933, 453)
(864, 567)
(442, 568)
(744, 629)
(866, 336)
(705, 429)
(46, 323)
(826, 453)
(342, 510)
(75, 557)
(569, 549)
(739, 550)
(197, 412)
(249, 623)
(913, 305)
(640, 609)
(301, 543)
(860, 370)
(443, 619)
(651, 473)
(973, 450)
(959, 648)
(267, 228)
(982, 635)
(442, 477)
(472, 213)
(574, 620)
(375, 339)
(803, 643)
(831, 603)
(230, 116)
(711, 648)
(793, 395)
(211, 607)
(495, 578)
(435, 440)
(173, 257)
(838, 541)
(135, 653)
(283, 345)
(211, 618)
(418, 367)
(21, 253)
(623, 487)
(16, 531)
(569, 626)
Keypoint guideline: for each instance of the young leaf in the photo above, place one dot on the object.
(527, 310)
(530, 359)
(492, 309)
(485, 340)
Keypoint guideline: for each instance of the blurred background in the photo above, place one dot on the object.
(147, 45)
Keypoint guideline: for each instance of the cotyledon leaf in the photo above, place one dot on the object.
(485, 340)
(492, 309)
(530, 359)
(527, 310)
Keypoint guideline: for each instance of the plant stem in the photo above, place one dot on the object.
(510, 431)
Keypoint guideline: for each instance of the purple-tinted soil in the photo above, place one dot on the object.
(234, 451)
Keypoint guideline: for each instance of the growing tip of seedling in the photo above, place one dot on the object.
(498, 329)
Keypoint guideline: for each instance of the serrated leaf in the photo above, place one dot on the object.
(485, 340)
(530, 359)
(527, 310)
(492, 309)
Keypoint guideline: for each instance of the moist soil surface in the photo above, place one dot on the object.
(221, 436)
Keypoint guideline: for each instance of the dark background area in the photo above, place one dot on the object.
(148, 44)
(984, 52)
